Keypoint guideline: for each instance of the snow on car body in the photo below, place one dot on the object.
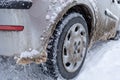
(40, 19)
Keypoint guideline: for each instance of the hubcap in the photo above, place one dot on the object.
(74, 47)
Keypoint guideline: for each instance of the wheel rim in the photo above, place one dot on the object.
(74, 47)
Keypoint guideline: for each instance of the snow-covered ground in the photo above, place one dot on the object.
(9, 70)
(102, 63)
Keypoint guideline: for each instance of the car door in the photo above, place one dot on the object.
(102, 20)
(107, 19)
(113, 17)
(115, 9)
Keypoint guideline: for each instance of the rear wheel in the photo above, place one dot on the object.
(67, 47)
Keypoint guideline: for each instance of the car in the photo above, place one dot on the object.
(56, 33)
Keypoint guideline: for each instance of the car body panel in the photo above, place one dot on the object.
(41, 19)
(34, 23)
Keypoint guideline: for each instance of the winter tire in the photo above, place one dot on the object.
(67, 47)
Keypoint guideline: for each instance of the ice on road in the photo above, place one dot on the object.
(102, 63)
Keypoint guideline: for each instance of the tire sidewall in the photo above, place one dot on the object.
(63, 33)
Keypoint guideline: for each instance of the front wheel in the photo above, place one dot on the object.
(68, 47)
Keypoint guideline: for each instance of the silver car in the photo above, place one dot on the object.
(56, 33)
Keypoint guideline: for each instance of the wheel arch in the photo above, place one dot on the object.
(83, 9)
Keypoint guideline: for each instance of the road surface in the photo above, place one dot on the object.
(102, 63)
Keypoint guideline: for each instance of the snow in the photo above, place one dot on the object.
(102, 63)
(11, 71)
(55, 7)
(29, 54)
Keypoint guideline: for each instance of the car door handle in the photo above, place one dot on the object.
(110, 14)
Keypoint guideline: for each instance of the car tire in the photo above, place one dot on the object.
(67, 47)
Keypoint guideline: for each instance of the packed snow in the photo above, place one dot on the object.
(102, 63)
(29, 54)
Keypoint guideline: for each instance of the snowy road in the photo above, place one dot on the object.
(102, 63)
